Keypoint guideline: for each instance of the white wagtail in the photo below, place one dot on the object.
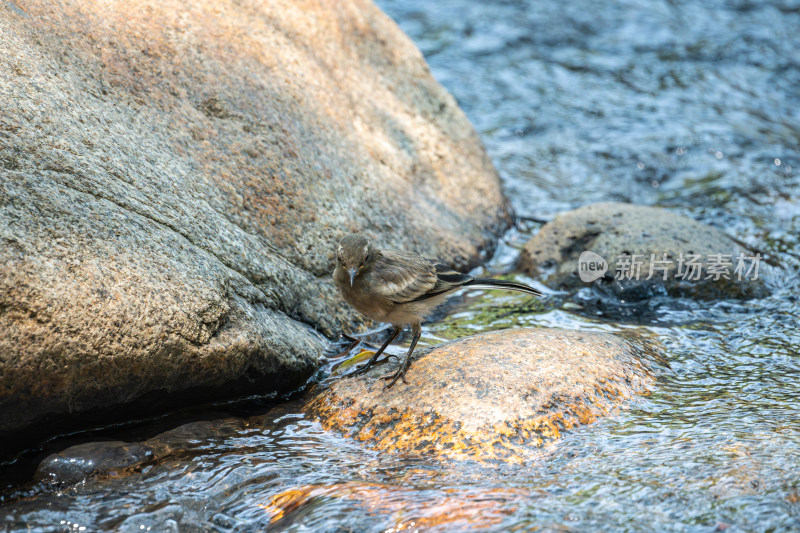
(400, 288)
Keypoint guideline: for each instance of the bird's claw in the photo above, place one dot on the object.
(400, 374)
(369, 364)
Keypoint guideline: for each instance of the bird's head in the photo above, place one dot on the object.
(353, 253)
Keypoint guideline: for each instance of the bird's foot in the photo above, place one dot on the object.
(369, 364)
(392, 378)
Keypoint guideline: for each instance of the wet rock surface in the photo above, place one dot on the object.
(174, 176)
(79, 462)
(91, 459)
(468, 510)
(492, 396)
(641, 242)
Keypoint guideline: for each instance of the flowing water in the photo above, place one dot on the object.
(694, 106)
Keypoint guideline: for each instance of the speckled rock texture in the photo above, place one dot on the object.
(614, 229)
(492, 396)
(173, 176)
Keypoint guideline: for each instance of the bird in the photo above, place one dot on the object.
(400, 288)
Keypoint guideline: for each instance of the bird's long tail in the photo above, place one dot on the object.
(502, 284)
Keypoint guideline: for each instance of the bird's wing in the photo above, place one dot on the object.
(447, 280)
(402, 277)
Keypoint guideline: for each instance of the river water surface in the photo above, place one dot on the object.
(693, 106)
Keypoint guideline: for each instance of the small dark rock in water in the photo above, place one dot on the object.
(79, 462)
(696, 260)
(97, 458)
(493, 396)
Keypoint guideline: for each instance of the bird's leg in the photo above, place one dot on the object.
(373, 360)
(416, 329)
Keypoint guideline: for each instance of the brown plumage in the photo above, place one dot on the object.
(400, 288)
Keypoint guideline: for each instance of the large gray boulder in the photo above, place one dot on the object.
(173, 176)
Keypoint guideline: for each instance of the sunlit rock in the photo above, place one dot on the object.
(493, 396)
(172, 178)
(635, 252)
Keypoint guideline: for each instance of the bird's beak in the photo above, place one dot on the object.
(352, 272)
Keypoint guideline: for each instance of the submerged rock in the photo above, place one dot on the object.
(79, 462)
(92, 458)
(173, 176)
(492, 396)
(399, 508)
(680, 256)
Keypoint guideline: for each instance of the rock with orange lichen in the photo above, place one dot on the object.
(493, 396)
(173, 176)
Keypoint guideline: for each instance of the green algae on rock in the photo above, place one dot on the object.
(492, 396)
(619, 232)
